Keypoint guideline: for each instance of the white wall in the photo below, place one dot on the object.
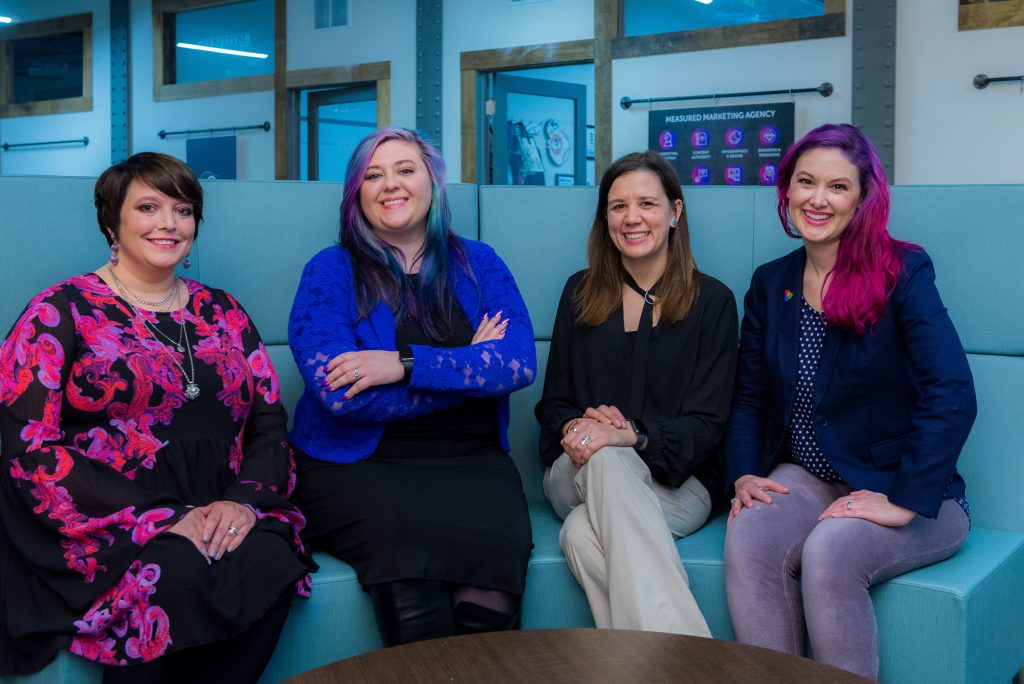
(72, 160)
(378, 32)
(800, 64)
(255, 148)
(485, 24)
(946, 130)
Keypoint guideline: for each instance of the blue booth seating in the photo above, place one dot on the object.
(956, 621)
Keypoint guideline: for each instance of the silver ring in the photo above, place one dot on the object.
(849, 505)
(356, 374)
(585, 440)
(233, 531)
(733, 501)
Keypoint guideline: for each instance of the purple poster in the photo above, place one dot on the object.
(734, 145)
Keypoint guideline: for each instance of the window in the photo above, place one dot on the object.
(330, 14)
(46, 67)
(644, 17)
(651, 27)
(212, 47)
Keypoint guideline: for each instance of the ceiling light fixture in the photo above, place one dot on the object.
(5, 20)
(223, 51)
(704, 2)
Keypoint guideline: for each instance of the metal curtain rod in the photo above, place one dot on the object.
(76, 141)
(825, 89)
(981, 81)
(265, 126)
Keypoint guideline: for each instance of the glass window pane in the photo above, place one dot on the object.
(228, 41)
(47, 67)
(342, 126)
(644, 17)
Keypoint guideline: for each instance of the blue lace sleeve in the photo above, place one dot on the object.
(323, 323)
(488, 368)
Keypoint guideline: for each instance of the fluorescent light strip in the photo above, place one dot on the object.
(223, 51)
(5, 20)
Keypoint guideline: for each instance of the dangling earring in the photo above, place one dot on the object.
(114, 249)
(187, 263)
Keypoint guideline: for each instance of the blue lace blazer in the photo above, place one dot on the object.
(325, 322)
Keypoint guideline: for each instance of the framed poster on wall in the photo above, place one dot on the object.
(733, 145)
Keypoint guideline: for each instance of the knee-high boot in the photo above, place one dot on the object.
(412, 610)
(471, 618)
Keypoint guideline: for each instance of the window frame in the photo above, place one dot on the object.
(164, 50)
(986, 15)
(830, 25)
(35, 29)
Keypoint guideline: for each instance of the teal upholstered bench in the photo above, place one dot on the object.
(957, 621)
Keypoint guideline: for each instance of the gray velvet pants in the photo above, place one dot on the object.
(618, 540)
(788, 575)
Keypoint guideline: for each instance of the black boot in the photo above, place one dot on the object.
(471, 618)
(412, 610)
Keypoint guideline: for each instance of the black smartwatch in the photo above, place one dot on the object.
(641, 434)
(406, 367)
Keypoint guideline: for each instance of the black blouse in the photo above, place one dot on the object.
(688, 387)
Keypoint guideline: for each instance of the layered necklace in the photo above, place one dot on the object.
(191, 387)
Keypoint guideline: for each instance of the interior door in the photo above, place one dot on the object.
(538, 132)
(336, 119)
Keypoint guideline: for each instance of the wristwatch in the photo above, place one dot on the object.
(641, 434)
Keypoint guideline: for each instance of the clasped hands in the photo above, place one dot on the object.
(599, 427)
(371, 367)
(865, 504)
(209, 528)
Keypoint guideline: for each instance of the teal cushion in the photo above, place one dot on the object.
(541, 233)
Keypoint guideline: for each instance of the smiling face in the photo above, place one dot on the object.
(640, 216)
(155, 233)
(396, 192)
(824, 194)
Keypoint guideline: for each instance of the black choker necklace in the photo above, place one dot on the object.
(648, 295)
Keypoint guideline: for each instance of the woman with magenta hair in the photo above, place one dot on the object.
(410, 340)
(853, 400)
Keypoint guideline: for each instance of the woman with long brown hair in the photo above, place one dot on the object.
(635, 402)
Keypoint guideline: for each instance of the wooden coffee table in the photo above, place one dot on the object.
(588, 656)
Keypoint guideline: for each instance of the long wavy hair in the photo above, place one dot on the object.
(377, 265)
(868, 261)
(600, 291)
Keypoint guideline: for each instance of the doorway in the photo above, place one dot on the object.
(536, 132)
(331, 122)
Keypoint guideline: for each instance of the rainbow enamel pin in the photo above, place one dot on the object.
(787, 295)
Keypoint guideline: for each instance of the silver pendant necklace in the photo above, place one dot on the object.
(190, 386)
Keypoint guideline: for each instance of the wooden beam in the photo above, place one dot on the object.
(339, 75)
(986, 15)
(383, 103)
(526, 56)
(469, 105)
(607, 28)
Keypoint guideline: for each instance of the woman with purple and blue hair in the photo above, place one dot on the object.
(853, 400)
(410, 340)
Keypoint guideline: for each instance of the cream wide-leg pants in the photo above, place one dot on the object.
(618, 540)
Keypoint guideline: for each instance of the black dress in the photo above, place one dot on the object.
(439, 499)
(103, 453)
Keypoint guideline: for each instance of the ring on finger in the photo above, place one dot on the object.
(733, 501)
(356, 374)
(849, 505)
(585, 440)
(233, 531)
